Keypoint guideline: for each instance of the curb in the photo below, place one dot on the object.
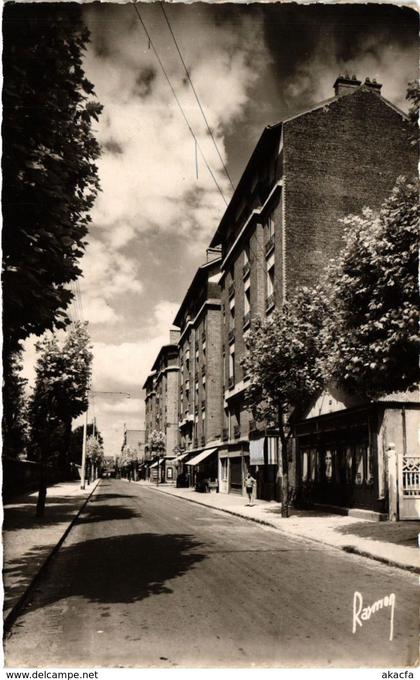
(14, 612)
(343, 548)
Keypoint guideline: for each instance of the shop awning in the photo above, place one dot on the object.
(182, 456)
(200, 457)
(157, 463)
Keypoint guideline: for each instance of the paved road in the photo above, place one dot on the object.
(145, 579)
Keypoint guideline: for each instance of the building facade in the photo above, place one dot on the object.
(200, 373)
(161, 408)
(282, 227)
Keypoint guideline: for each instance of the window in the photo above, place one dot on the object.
(369, 465)
(349, 464)
(270, 276)
(329, 465)
(231, 373)
(247, 298)
(305, 465)
(223, 469)
(232, 313)
(359, 464)
(270, 227)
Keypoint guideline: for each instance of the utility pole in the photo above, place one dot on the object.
(83, 473)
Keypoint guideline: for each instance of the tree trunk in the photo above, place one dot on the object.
(284, 464)
(285, 479)
(42, 494)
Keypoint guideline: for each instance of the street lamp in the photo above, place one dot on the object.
(83, 471)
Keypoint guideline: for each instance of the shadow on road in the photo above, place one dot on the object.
(20, 514)
(115, 569)
(105, 513)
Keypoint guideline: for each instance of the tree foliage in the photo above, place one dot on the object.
(284, 357)
(372, 332)
(76, 442)
(49, 174)
(61, 391)
(157, 441)
(94, 449)
(284, 365)
(14, 408)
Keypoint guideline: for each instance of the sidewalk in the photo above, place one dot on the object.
(29, 542)
(394, 543)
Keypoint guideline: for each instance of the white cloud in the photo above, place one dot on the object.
(147, 169)
(385, 62)
(107, 274)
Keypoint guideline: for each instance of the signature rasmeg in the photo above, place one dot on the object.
(362, 612)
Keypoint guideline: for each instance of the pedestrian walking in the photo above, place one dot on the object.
(249, 486)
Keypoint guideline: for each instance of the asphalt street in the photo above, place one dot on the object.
(145, 579)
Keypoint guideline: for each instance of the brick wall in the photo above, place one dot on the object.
(337, 160)
(214, 369)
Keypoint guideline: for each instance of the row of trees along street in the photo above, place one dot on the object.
(50, 182)
(357, 329)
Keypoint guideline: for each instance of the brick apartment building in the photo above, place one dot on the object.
(161, 405)
(282, 226)
(199, 319)
(279, 231)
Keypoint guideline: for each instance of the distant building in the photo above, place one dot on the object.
(200, 376)
(161, 404)
(134, 440)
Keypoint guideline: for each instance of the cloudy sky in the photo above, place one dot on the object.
(251, 65)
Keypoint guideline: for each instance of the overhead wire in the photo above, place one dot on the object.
(152, 45)
(210, 131)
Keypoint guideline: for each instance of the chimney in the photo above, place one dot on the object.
(174, 336)
(213, 253)
(345, 84)
(373, 85)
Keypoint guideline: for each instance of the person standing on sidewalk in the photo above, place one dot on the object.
(249, 486)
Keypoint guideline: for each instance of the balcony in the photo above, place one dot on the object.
(269, 303)
(231, 291)
(195, 442)
(246, 269)
(203, 370)
(225, 434)
(231, 336)
(247, 319)
(203, 440)
(237, 431)
(231, 382)
(203, 403)
(203, 337)
(269, 245)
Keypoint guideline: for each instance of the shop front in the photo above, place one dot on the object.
(233, 466)
(264, 467)
(337, 461)
(157, 472)
(203, 470)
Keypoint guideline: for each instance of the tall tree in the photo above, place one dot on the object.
(49, 174)
(372, 331)
(14, 409)
(284, 364)
(60, 394)
(76, 442)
